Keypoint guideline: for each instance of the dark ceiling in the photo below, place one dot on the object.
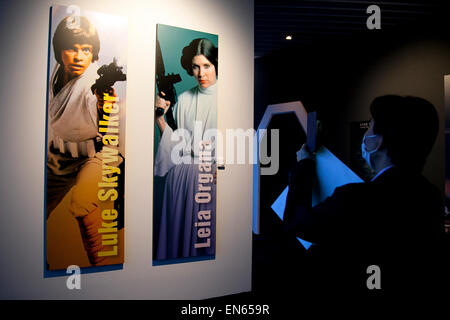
(310, 22)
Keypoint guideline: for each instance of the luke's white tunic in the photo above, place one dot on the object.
(73, 120)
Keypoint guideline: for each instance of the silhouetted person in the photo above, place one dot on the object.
(395, 221)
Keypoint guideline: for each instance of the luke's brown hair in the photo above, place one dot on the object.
(68, 33)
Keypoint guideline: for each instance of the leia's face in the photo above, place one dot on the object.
(76, 59)
(204, 71)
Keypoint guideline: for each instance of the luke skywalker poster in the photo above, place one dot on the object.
(85, 151)
(184, 198)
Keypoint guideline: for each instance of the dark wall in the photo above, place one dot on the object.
(339, 79)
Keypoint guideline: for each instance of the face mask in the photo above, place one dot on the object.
(366, 154)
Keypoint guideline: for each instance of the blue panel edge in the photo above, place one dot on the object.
(85, 270)
(182, 260)
(279, 205)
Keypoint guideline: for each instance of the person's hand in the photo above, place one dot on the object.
(304, 153)
(100, 97)
(161, 103)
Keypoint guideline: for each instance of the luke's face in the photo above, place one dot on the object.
(76, 59)
(204, 71)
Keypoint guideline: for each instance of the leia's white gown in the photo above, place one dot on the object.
(196, 118)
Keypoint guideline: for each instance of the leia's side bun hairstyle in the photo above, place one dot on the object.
(197, 47)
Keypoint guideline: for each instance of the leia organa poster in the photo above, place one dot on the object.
(85, 150)
(184, 196)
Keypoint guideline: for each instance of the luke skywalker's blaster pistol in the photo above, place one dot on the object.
(109, 74)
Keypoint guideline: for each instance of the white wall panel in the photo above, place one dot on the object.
(24, 35)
